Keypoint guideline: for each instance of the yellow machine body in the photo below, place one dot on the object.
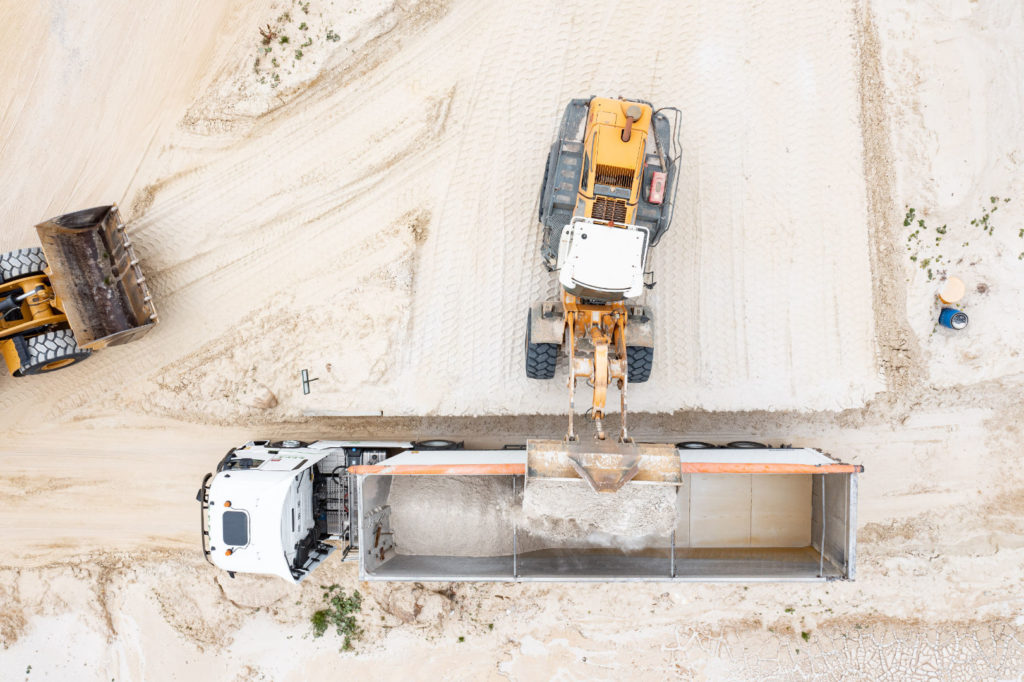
(613, 158)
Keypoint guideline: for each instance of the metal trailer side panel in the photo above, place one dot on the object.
(834, 521)
(374, 523)
(851, 530)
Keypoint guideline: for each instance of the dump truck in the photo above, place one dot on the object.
(435, 510)
(81, 291)
(605, 200)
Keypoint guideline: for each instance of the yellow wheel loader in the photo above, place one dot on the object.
(83, 290)
(605, 200)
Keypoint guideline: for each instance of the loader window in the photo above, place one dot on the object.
(236, 528)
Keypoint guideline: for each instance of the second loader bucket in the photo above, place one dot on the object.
(96, 277)
(605, 465)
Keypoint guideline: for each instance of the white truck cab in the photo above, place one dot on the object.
(271, 505)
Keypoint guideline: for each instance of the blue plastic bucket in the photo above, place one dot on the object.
(953, 318)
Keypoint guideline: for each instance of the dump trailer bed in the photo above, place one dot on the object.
(407, 514)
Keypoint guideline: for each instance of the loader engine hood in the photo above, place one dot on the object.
(262, 522)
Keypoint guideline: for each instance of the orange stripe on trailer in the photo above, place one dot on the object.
(514, 469)
(503, 469)
(768, 468)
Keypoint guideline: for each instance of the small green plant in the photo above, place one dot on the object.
(298, 54)
(309, 41)
(490, 626)
(806, 636)
(285, 18)
(303, 26)
(909, 218)
(340, 613)
(305, 7)
(332, 36)
(790, 609)
(461, 640)
(984, 222)
(284, 40)
(274, 62)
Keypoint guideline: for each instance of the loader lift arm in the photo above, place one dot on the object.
(601, 329)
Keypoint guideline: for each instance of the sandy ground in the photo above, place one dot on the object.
(357, 210)
(375, 214)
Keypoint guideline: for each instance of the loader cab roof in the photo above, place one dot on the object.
(600, 261)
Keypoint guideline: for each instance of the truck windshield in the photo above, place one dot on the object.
(236, 528)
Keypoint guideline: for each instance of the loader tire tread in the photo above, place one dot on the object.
(51, 351)
(21, 262)
(541, 358)
(640, 360)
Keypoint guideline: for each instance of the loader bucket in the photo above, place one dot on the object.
(95, 275)
(605, 465)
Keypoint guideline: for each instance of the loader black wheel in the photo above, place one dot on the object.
(641, 361)
(51, 351)
(438, 444)
(21, 262)
(541, 358)
(747, 445)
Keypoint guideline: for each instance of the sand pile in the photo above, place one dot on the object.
(569, 513)
(452, 515)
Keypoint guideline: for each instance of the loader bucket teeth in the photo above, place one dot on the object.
(605, 473)
(605, 465)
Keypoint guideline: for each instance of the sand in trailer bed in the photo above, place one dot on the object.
(558, 513)
(452, 515)
(475, 515)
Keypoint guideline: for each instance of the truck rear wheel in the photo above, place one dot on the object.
(541, 358)
(695, 445)
(21, 262)
(51, 351)
(438, 444)
(641, 361)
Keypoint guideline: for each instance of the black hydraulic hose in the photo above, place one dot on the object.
(675, 155)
